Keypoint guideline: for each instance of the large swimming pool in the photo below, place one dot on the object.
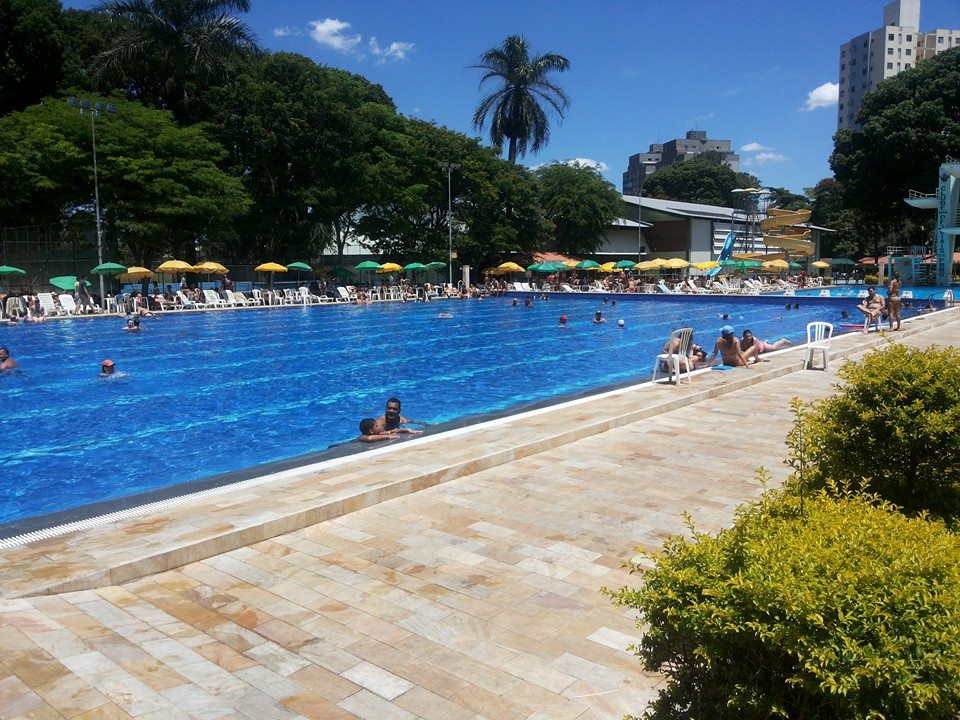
(198, 394)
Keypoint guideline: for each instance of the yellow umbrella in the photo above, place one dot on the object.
(270, 267)
(174, 266)
(570, 263)
(510, 267)
(390, 267)
(210, 268)
(777, 264)
(649, 265)
(676, 264)
(135, 273)
(820, 264)
(708, 265)
(608, 267)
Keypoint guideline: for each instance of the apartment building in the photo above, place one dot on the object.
(694, 143)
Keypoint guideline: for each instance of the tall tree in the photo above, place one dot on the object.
(910, 123)
(580, 204)
(166, 46)
(699, 180)
(515, 106)
(31, 51)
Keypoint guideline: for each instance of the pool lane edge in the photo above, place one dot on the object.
(267, 524)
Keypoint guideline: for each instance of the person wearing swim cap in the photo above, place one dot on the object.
(729, 348)
(563, 321)
(621, 324)
(598, 317)
(107, 368)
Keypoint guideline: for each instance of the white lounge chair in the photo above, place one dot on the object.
(566, 288)
(68, 304)
(247, 301)
(681, 338)
(662, 287)
(343, 295)
(696, 288)
(187, 303)
(214, 300)
(818, 340)
(48, 305)
(257, 297)
(304, 297)
(236, 299)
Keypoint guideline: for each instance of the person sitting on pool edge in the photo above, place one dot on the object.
(872, 308)
(750, 341)
(730, 351)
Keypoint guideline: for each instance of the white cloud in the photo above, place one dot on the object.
(393, 51)
(329, 33)
(753, 147)
(824, 96)
(286, 30)
(587, 162)
(766, 157)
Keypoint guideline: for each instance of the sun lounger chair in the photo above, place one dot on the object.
(214, 300)
(68, 304)
(818, 340)
(248, 301)
(674, 360)
(187, 303)
(235, 299)
(694, 288)
(304, 296)
(343, 295)
(48, 305)
(662, 287)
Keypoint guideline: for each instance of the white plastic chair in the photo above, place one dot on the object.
(681, 338)
(664, 289)
(257, 296)
(46, 302)
(818, 340)
(68, 304)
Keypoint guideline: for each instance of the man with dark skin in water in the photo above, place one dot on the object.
(391, 420)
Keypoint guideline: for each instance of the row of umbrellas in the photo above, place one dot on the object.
(389, 267)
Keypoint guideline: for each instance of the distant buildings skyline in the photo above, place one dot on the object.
(872, 57)
(694, 143)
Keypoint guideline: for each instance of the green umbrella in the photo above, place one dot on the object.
(65, 282)
(368, 265)
(10, 270)
(748, 265)
(415, 266)
(109, 268)
(436, 265)
(299, 266)
(841, 261)
(341, 272)
(796, 266)
(536, 267)
(625, 264)
(727, 262)
(587, 264)
(553, 267)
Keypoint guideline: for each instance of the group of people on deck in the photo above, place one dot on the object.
(733, 351)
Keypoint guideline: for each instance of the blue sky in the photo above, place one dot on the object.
(642, 71)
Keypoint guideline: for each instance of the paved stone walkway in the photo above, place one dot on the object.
(477, 597)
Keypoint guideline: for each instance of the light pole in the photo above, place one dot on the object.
(95, 110)
(642, 172)
(449, 167)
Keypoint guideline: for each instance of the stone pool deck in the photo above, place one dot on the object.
(450, 577)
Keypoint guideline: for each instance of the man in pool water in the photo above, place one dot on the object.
(391, 420)
(107, 368)
(6, 362)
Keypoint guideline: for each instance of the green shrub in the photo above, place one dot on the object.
(871, 279)
(823, 608)
(893, 426)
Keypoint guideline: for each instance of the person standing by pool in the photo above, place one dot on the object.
(84, 301)
(730, 351)
(893, 301)
(871, 307)
(6, 362)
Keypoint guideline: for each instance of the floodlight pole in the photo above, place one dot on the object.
(94, 110)
(642, 173)
(449, 167)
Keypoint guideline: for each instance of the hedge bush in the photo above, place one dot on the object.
(821, 608)
(871, 279)
(891, 428)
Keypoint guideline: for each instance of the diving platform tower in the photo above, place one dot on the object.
(946, 202)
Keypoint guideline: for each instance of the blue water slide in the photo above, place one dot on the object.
(724, 251)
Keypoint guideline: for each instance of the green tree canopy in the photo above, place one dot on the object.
(699, 180)
(580, 204)
(31, 52)
(514, 107)
(160, 187)
(910, 122)
(171, 49)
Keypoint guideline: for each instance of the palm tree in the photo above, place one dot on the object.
(515, 106)
(162, 45)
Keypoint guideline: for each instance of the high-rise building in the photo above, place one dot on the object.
(694, 143)
(870, 58)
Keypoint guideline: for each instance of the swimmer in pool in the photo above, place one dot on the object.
(133, 324)
(6, 362)
(107, 368)
(598, 317)
(563, 321)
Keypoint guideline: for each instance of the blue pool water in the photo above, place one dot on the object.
(851, 291)
(199, 394)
